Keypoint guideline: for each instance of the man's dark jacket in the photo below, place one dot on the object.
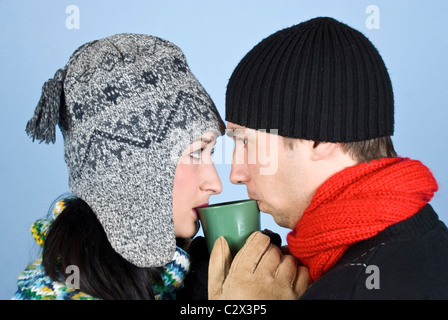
(408, 260)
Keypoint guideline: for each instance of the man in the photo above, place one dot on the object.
(359, 214)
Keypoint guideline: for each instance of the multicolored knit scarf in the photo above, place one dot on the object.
(34, 284)
(356, 204)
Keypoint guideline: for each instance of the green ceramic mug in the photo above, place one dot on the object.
(235, 221)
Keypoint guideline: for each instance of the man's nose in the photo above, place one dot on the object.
(239, 173)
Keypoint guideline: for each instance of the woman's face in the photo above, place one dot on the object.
(195, 180)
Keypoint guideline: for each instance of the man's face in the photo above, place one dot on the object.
(278, 177)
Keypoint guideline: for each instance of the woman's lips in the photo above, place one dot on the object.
(201, 206)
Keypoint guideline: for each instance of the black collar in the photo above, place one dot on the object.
(417, 225)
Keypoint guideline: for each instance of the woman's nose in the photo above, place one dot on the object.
(212, 182)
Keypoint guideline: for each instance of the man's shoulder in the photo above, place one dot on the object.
(407, 261)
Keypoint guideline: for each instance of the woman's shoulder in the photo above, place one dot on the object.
(34, 284)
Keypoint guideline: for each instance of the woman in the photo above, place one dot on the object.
(138, 134)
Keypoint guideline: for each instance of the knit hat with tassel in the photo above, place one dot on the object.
(128, 106)
(320, 80)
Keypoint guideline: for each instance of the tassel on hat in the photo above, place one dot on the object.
(42, 126)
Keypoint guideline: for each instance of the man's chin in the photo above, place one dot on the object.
(262, 207)
(281, 223)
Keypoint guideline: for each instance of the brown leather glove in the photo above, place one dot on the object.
(259, 272)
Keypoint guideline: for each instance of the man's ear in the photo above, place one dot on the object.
(323, 150)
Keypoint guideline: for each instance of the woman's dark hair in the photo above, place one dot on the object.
(76, 237)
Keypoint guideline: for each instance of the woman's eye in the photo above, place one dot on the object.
(196, 154)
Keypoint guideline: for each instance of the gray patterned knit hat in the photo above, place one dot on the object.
(128, 106)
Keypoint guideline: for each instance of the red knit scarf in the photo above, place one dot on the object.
(356, 204)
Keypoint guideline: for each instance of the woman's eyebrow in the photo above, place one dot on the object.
(206, 140)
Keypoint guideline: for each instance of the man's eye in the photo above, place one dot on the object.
(241, 140)
(244, 141)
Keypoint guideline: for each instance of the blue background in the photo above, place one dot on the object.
(215, 35)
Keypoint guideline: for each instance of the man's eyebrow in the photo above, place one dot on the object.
(233, 132)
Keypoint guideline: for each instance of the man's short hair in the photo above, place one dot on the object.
(361, 151)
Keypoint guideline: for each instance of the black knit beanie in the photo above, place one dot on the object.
(320, 80)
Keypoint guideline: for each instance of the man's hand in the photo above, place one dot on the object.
(259, 272)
